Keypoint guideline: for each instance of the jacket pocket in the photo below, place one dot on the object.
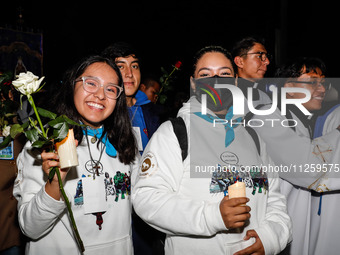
(120, 246)
(231, 248)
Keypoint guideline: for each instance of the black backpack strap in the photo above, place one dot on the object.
(255, 137)
(180, 131)
(251, 131)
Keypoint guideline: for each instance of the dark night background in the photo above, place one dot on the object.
(167, 31)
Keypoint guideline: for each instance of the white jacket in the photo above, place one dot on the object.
(299, 153)
(326, 226)
(185, 204)
(45, 221)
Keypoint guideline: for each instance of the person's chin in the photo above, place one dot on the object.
(129, 92)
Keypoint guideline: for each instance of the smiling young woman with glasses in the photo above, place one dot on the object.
(107, 156)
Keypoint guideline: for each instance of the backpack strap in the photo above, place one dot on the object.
(180, 131)
(255, 137)
(251, 131)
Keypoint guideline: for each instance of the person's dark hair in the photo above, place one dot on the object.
(244, 45)
(120, 49)
(150, 80)
(211, 48)
(117, 126)
(295, 68)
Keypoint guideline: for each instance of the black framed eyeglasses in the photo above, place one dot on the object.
(260, 54)
(314, 83)
(92, 85)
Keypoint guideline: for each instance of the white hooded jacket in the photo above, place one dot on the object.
(184, 203)
(45, 221)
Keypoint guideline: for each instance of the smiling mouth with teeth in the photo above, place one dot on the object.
(94, 105)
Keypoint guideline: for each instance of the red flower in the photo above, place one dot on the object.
(178, 64)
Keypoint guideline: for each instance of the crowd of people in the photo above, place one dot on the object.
(169, 208)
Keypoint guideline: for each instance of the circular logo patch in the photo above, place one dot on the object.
(146, 165)
(149, 165)
(229, 158)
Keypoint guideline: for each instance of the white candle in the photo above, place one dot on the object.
(238, 189)
(67, 151)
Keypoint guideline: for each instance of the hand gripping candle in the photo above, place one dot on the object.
(238, 189)
(67, 151)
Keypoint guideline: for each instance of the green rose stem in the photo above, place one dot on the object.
(61, 187)
(75, 229)
(167, 78)
(164, 83)
(31, 101)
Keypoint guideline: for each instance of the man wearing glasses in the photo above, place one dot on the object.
(250, 63)
(251, 58)
(315, 226)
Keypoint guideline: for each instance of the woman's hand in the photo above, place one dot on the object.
(255, 249)
(50, 159)
(234, 212)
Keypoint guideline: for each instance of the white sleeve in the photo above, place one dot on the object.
(37, 211)
(276, 230)
(156, 198)
(134, 170)
(296, 152)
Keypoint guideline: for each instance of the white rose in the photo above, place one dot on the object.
(6, 131)
(27, 83)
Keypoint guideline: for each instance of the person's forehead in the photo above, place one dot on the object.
(258, 47)
(127, 59)
(156, 85)
(213, 59)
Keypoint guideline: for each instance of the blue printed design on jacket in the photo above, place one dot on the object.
(254, 178)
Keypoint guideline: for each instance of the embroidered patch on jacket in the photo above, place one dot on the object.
(149, 165)
(254, 178)
(122, 185)
(119, 186)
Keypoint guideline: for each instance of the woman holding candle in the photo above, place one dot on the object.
(99, 187)
(187, 199)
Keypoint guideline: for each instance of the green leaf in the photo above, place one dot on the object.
(5, 142)
(71, 122)
(32, 135)
(39, 144)
(52, 173)
(162, 99)
(10, 115)
(15, 130)
(61, 133)
(46, 114)
(57, 123)
(25, 125)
